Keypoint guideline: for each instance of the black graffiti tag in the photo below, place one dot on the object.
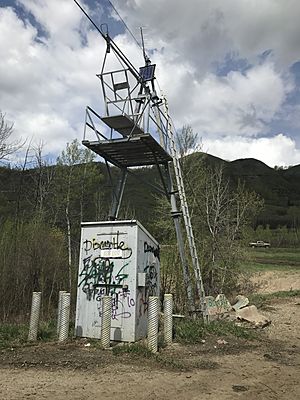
(151, 280)
(151, 249)
(118, 307)
(113, 244)
(98, 272)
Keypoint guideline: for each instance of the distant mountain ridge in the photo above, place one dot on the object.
(280, 188)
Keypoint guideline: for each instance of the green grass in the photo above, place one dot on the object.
(254, 266)
(272, 259)
(47, 331)
(261, 300)
(285, 254)
(133, 348)
(14, 335)
(194, 331)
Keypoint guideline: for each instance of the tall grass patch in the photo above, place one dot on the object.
(194, 331)
(12, 335)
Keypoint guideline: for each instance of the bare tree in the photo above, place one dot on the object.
(187, 141)
(43, 177)
(221, 212)
(227, 212)
(74, 173)
(7, 146)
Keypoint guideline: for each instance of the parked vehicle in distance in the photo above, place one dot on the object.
(260, 243)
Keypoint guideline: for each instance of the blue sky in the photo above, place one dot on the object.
(230, 69)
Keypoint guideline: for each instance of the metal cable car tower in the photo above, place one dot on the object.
(134, 116)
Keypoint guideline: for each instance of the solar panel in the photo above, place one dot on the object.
(147, 72)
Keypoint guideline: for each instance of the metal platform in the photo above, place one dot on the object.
(123, 124)
(134, 152)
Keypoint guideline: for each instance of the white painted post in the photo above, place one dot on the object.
(153, 311)
(65, 317)
(106, 321)
(168, 318)
(34, 315)
(59, 310)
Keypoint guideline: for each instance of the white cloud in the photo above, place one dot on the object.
(278, 150)
(204, 31)
(45, 83)
(238, 104)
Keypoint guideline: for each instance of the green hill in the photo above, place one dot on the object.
(279, 188)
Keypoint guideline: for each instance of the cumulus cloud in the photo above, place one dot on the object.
(238, 104)
(46, 82)
(223, 65)
(278, 150)
(204, 31)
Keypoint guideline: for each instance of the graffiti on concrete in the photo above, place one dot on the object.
(151, 259)
(104, 273)
(101, 272)
(112, 249)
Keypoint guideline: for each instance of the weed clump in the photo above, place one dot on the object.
(133, 348)
(47, 331)
(194, 331)
(12, 335)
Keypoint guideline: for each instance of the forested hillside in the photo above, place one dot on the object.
(280, 188)
(23, 191)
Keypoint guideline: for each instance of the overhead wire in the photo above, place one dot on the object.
(137, 42)
(126, 26)
(114, 46)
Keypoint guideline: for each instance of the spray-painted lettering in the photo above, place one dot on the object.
(119, 249)
(122, 302)
(151, 249)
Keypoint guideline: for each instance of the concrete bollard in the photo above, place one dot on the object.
(153, 311)
(168, 318)
(65, 317)
(34, 315)
(59, 310)
(106, 321)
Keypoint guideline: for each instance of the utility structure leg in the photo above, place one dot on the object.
(117, 195)
(186, 214)
(176, 215)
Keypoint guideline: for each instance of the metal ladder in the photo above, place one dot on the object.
(185, 212)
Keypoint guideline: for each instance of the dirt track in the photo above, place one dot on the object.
(275, 281)
(264, 369)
